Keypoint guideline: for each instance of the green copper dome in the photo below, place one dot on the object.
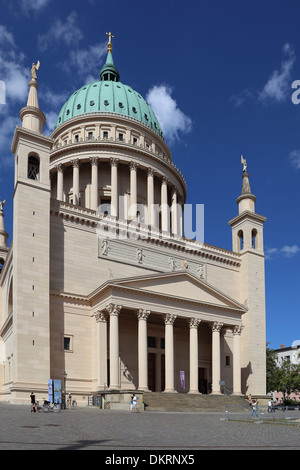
(109, 95)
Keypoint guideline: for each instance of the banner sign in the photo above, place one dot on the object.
(57, 391)
(182, 380)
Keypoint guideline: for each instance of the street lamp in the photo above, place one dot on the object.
(65, 389)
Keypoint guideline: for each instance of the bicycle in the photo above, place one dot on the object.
(52, 407)
(38, 407)
(71, 403)
(74, 403)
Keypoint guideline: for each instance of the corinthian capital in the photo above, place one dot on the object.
(114, 161)
(169, 319)
(216, 326)
(194, 322)
(143, 314)
(100, 316)
(113, 309)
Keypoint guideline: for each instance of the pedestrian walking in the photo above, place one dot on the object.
(134, 407)
(33, 403)
(254, 411)
(269, 406)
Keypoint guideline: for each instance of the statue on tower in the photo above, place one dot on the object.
(34, 69)
(2, 205)
(244, 163)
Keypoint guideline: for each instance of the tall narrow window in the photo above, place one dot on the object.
(254, 238)
(240, 240)
(33, 172)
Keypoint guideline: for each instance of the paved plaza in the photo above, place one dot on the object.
(89, 428)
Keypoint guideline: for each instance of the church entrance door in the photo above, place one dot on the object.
(202, 382)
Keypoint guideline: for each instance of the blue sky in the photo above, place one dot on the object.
(219, 76)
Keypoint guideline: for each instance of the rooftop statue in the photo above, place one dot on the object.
(34, 68)
(244, 163)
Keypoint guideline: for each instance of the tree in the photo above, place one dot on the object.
(283, 378)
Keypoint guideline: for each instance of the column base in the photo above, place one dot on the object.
(143, 389)
(194, 392)
(170, 390)
(216, 393)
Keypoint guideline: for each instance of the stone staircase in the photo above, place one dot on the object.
(180, 402)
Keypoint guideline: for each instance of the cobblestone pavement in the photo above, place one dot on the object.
(89, 428)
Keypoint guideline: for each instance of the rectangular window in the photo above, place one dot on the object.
(151, 342)
(67, 343)
(76, 138)
(121, 137)
(105, 134)
(90, 135)
(227, 361)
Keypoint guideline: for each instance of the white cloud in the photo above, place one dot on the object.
(270, 252)
(87, 61)
(287, 250)
(239, 99)
(6, 36)
(67, 33)
(172, 120)
(295, 159)
(12, 70)
(28, 6)
(51, 118)
(290, 251)
(277, 87)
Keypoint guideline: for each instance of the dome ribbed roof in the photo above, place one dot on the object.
(109, 97)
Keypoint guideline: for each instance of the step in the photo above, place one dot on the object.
(155, 401)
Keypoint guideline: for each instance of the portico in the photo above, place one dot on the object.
(133, 306)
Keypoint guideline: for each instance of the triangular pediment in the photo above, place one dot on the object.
(182, 286)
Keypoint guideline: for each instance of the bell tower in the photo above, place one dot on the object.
(247, 240)
(31, 240)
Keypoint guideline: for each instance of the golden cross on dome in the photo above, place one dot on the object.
(109, 45)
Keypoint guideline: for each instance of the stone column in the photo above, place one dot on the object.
(216, 359)
(114, 187)
(60, 182)
(174, 212)
(143, 349)
(169, 352)
(101, 350)
(237, 360)
(75, 164)
(165, 211)
(94, 183)
(114, 311)
(133, 190)
(150, 197)
(194, 323)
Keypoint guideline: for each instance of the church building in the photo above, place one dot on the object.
(100, 288)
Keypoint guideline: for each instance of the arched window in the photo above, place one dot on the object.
(33, 172)
(254, 238)
(240, 240)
